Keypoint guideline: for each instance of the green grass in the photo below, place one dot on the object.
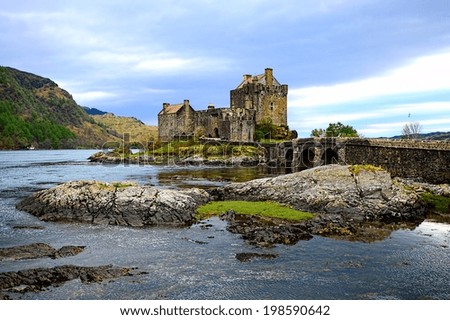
(258, 208)
(115, 185)
(211, 151)
(357, 168)
(439, 203)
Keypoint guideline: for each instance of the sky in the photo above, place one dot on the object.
(373, 64)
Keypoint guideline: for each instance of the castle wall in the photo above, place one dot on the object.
(242, 124)
(167, 125)
(214, 122)
(273, 105)
(269, 102)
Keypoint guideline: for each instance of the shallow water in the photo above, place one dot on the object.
(199, 262)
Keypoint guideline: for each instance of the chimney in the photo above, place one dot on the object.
(186, 103)
(165, 105)
(269, 76)
(247, 78)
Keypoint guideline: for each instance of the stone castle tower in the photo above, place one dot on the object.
(264, 94)
(256, 99)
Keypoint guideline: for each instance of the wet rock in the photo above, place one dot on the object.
(248, 256)
(34, 280)
(38, 250)
(122, 203)
(68, 251)
(194, 241)
(30, 227)
(266, 232)
(334, 190)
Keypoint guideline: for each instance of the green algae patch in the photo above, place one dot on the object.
(115, 185)
(357, 168)
(257, 208)
(439, 203)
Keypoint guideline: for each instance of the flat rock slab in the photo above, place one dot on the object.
(34, 280)
(38, 250)
(123, 203)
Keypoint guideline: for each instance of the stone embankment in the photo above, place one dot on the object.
(122, 203)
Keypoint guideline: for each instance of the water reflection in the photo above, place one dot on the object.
(205, 177)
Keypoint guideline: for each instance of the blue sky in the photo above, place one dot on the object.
(372, 64)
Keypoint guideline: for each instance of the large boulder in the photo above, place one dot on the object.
(115, 203)
(358, 193)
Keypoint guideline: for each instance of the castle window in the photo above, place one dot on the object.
(271, 106)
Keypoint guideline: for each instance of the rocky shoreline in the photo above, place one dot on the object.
(112, 158)
(38, 279)
(37, 251)
(347, 202)
(360, 203)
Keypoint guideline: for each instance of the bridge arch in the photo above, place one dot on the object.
(330, 156)
(289, 157)
(307, 156)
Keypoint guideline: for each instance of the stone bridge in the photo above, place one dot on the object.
(428, 160)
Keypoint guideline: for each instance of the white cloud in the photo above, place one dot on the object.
(89, 96)
(390, 128)
(425, 74)
(139, 60)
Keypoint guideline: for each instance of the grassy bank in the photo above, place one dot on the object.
(258, 208)
(436, 202)
(194, 149)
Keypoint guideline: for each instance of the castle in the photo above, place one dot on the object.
(255, 100)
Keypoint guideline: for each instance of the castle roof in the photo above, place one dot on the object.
(172, 108)
(261, 78)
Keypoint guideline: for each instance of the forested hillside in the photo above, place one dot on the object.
(35, 112)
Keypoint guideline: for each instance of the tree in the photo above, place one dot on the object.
(411, 130)
(335, 130)
(267, 130)
(319, 133)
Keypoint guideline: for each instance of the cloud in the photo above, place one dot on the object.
(425, 74)
(90, 96)
(379, 129)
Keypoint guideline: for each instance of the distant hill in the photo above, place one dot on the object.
(93, 111)
(137, 130)
(430, 136)
(34, 111)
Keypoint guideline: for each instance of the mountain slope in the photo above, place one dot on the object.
(136, 129)
(93, 111)
(34, 111)
(429, 136)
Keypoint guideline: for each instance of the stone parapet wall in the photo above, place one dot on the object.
(418, 159)
(432, 165)
(408, 143)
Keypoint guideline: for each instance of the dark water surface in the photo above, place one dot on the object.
(199, 262)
